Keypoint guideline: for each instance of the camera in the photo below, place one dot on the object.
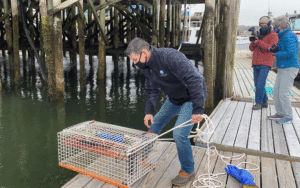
(255, 34)
(273, 49)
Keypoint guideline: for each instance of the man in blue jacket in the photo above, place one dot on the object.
(288, 68)
(169, 70)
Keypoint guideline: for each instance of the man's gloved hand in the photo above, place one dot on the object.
(242, 175)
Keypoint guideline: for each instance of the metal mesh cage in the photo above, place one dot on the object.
(111, 153)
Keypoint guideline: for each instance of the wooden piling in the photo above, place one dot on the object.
(46, 32)
(209, 51)
(116, 29)
(234, 16)
(90, 32)
(58, 54)
(162, 17)
(154, 40)
(73, 52)
(81, 26)
(31, 30)
(102, 51)
(15, 26)
(8, 36)
(169, 12)
(226, 47)
(173, 24)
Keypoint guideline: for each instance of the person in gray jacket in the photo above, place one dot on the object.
(169, 70)
(286, 53)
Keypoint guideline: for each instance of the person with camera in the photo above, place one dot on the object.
(286, 53)
(262, 60)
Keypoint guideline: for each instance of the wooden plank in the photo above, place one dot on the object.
(203, 167)
(296, 121)
(244, 90)
(292, 139)
(237, 89)
(95, 183)
(153, 176)
(285, 174)
(242, 135)
(107, 185)
(279, 138)
(268, 173)
(217, 117)
(254, 134)
(255, 173)
(247, 82)
(198, 154)
(296, 171)
(161, 150)
(232, 129)
(220, 167)
(79, 182)
(266, 132)
(78, 176)
(248, 151)
(222, 126)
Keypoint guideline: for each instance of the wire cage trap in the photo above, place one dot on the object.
(111, 153)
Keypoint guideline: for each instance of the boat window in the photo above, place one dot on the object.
(295, 23)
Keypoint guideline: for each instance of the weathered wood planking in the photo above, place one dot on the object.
(234, 125)
(266, 132)
(237, 125)
(274, 173)
(244, 82)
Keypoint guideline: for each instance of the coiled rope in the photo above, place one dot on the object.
(208, 180)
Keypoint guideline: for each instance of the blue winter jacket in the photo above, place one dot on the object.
(171, 71)
(287, 56)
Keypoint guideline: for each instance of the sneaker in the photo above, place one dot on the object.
(182, 178)
(285, 120)
(276, 116)
(265, 104)
(257, 106)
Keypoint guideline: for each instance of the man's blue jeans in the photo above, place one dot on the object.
(180, 135)
(260, 76)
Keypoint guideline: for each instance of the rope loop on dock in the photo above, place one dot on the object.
(209, 180)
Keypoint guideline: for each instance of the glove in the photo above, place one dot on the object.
(242, 175)
(273, 49)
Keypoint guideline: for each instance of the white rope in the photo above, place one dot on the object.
(209, 180)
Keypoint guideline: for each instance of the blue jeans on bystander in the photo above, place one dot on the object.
(183, 144)
(260, 73)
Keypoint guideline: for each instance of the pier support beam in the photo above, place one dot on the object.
(169, 13)
(209, 51)
(173, 24)
(162, 17)
(81, 25)
(15, 24)
(102, 51)
(73, 52)
(154, 40)
(229, 11)
(46, 32)
(8, 35)
(58, 54)
(116, 29)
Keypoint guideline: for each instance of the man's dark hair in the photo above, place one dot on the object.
(136, 46)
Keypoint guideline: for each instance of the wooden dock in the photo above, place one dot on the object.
(273, 173)
(244, 81)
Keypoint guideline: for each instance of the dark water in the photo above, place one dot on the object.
(29, 123)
